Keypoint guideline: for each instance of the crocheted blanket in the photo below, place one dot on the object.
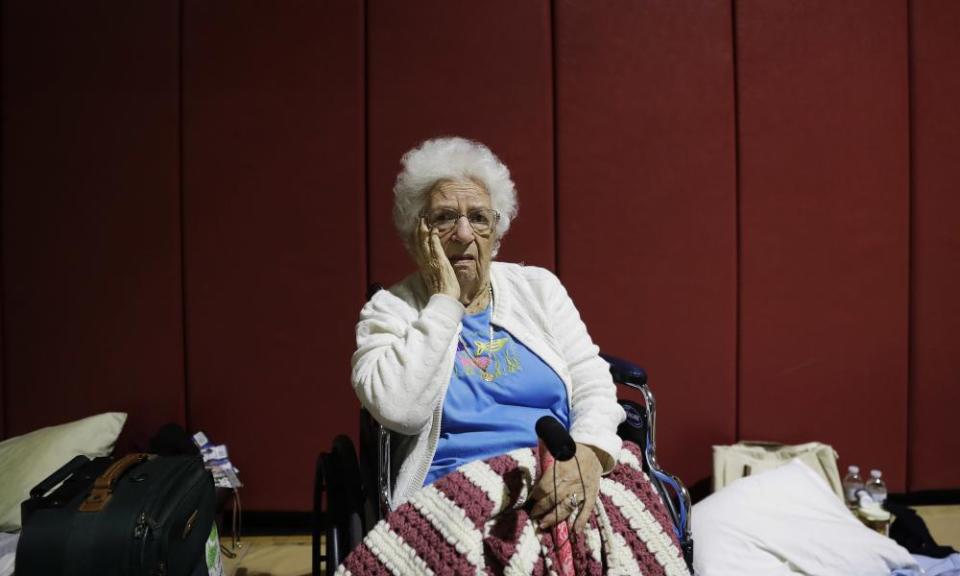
(475, 521)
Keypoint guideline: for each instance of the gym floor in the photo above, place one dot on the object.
(270, 556)
(943, 523)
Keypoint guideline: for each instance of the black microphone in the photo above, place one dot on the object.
(556, 438)
(561, 447)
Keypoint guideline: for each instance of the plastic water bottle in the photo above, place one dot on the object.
(876, 487)
(852, 483)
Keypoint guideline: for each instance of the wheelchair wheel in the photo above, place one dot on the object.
(338, 479)
(369, 467)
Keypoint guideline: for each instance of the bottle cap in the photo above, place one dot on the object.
(875, 474)
(853, 469)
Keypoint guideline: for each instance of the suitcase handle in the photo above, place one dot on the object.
(41, 489)
(103, 485)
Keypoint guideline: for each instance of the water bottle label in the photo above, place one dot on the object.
(850, 488)
(878, 493)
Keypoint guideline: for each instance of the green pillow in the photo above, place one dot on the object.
(27, 460)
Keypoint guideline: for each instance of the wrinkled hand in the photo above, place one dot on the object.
(435, 267)
(568, 483)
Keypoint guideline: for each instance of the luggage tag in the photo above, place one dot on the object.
(217, 460)
(225, 475)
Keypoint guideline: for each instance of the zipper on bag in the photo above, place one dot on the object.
(152, 517)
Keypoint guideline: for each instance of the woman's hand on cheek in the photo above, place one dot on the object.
(552, 507)
(435, 267)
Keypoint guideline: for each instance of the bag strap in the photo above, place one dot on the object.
(41, 489)
(103, 485)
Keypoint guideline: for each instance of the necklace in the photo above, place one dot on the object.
(484, 362)
(483, 299)
(481, 348)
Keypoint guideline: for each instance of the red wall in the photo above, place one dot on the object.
(646, 203)
(935, 267)
(273, 232)
(92, 292)
(753, 199)
(824, 221)
(418, 86)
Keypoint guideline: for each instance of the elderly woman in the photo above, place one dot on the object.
(466, 354)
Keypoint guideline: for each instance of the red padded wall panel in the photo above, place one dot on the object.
(91, 238)
(824, 226)
(935, 339)
(646, 195)
(3, 391)
(475, 69)
(273, 161)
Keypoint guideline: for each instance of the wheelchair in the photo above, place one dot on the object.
(352, 490)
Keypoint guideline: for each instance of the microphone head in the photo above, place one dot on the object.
(556, 438)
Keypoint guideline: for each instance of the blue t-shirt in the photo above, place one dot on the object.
(483, 419)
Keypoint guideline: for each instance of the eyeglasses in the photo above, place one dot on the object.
(482, 220)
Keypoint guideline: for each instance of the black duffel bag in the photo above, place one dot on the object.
(140, 515)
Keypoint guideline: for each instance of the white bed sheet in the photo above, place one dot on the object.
(8, 550)
(949, 566)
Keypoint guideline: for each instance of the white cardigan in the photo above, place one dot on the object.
(406, 346)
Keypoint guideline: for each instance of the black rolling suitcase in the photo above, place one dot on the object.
(138, 515)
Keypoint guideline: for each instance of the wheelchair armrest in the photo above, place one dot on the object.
(626, 372)
(678, 508)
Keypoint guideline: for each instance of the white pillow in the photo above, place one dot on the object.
(27, 460)
(787, 521)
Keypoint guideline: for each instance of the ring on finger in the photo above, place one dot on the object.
(574, 504)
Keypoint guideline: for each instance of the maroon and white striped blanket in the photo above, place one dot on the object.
(475, 521)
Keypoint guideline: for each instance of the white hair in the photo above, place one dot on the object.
(456, 159)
